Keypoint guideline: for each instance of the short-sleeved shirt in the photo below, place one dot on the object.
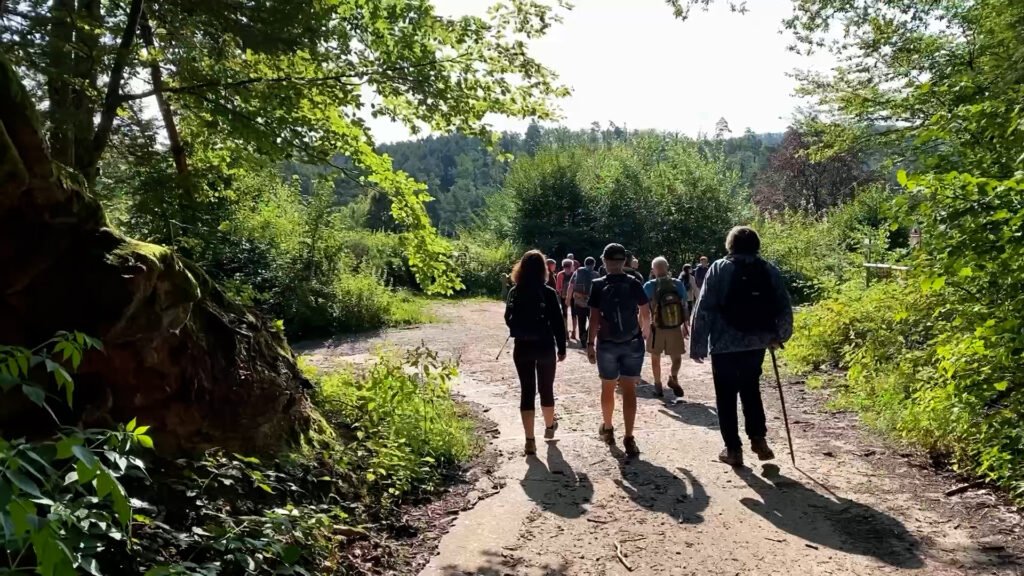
(635, 287)
(651, 286)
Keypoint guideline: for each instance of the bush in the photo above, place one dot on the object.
(406, 428)
(818, 255)
(482, 259)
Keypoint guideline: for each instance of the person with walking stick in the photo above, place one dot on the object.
(742, 311)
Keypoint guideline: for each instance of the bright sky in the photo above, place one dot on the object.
(631, 62)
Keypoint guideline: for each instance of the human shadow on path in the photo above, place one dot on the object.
(840, 524)
(500, 563)
(693, 413)
(556, 487)
(659, 490)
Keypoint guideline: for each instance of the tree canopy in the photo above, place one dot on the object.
(274, 81)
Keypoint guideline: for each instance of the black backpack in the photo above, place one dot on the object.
(525, 314)
(618, 310)
(751, 304)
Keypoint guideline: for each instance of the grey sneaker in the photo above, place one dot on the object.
(760, 447)
(549, 431)
(629, 443)
(531, 447)
(733, 458)
(607, 435)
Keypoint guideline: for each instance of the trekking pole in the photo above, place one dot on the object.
(782, 400)
(502, 349)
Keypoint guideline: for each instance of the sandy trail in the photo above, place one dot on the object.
(579, 508)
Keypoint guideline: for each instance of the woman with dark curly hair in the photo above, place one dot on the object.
(533, 314)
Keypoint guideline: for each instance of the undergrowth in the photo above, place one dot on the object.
(919, 371)
(90, 501)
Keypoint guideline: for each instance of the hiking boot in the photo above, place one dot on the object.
(733, 458)
(607, 435)
(629, 443)
(673, 383)
(659, 392)
(549, 431)
(531, 447)
(760, 447)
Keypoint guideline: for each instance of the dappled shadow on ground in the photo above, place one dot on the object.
(693, 413)
(855, 528)
(660, 490)
(500, 564)
(556, 487)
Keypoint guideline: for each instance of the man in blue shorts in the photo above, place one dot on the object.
(620, 321)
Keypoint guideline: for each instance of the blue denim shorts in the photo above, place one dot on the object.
(620, 359)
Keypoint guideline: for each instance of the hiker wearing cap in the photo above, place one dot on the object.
(534, 320)
(579, 286)
(669, 325)
(743, 310)
(562, 287)
(619, 323)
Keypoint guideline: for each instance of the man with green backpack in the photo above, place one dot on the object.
(669, 325)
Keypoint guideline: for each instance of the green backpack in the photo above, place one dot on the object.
(669, 311)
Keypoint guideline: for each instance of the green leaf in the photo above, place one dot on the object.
(34, 393)
(24, 483)
(65, 444)
(85, 455)
(901, 177)
(1001, 386)
(85, 473)
(291, 554)
(144, 441)
(131, 425)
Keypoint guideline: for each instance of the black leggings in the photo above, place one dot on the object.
(535, 363)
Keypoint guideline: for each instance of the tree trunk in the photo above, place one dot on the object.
(58, 85)
(178, 355)
(157, 78)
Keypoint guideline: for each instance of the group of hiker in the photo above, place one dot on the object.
(732, 310)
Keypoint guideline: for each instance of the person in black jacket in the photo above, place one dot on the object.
(533, 314)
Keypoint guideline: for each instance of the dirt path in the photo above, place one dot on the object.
(577, 508)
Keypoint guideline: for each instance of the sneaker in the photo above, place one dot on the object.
(673, 383)
(659, 392)
(760, 447)
(607, 435)
(629, 443)
(733, 458)
(531, 447)
(549, 431)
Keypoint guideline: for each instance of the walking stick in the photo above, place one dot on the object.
(782, 400)
(502, 349)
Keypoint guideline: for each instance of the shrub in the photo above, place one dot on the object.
(482, 258)
(405, 427)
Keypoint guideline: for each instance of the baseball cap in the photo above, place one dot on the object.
(614, 251)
